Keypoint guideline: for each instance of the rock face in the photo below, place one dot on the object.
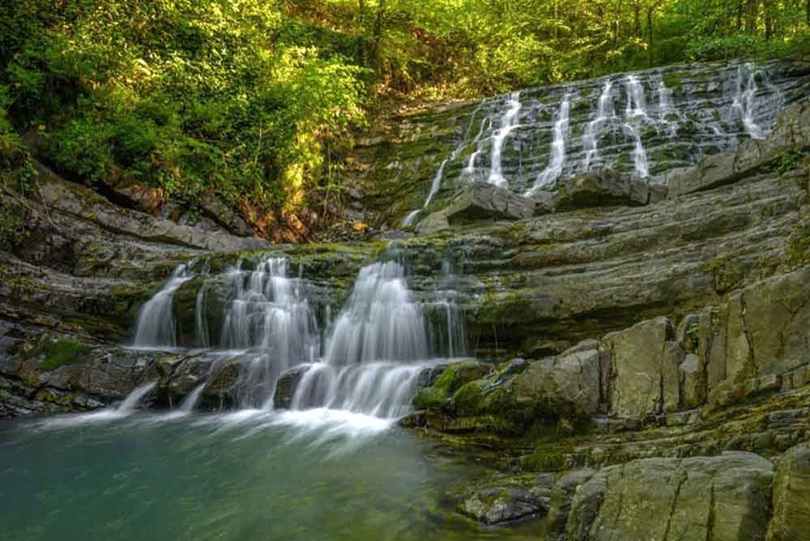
(717, 498)
(476, 203)
(791, 496)
(792, 134)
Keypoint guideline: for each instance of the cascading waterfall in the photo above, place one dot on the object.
(590, 139)
(508, 124)
(744, 102)
(375, 350)
(561, 130)
(639, 154)
(631, 126)
(469, 169)
(155, 326)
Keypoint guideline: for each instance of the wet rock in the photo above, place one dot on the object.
(508, 499)
(572, 378)
(479, 202)
(286, 386)
(791, 133)
(560, 502)
(726, 497)
(451, 378)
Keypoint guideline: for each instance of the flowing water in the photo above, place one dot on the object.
(644, 124)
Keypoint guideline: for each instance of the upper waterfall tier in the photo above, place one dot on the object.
(645, 123)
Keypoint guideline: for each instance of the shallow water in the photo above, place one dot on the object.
(250, 475)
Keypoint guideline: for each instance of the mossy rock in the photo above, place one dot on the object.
(452, 378)
(60, 352)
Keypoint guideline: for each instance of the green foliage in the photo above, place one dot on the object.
(790, 160)
(255, 100)
(190, 97)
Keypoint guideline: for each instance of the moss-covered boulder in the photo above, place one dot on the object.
(451, 379)
(507, 499)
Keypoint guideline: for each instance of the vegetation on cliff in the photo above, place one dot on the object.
(254, 101)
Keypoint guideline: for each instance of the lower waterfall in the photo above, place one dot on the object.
(369, 360)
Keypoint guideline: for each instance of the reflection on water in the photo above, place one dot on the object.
(248, 475)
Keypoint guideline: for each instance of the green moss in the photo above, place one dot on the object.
(673, 81)
(61, 352)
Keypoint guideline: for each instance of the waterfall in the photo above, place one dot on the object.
(508, 124)
(590, 138)
(636, 102)
(630, 123)
(744, 105)
(636, 113)
(190, 401)
(376, 350)
(381, 321)
(434, 187)
(555, 166)
(639, 154)
(469, 169)
(268, 310)
(155, 326)
(134, 398)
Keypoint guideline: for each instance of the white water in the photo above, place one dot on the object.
(155, 326)
(469, 170)
(508, 123)
(190, 401)
(381, 321)
(376, 349)
(268, 310)
(561, 131)
(131, 402)
(639, 154)
(377, 389)
(744, 105)
(590, 138)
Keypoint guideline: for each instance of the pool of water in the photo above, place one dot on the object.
(250, 475)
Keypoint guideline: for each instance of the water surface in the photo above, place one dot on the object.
(250, 475)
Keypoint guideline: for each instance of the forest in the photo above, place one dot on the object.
(257, 101)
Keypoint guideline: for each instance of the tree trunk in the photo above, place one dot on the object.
(650, 10)
(770, 18)
(378, 30)
(740, 10)
(751, 13)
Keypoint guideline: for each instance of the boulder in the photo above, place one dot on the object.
(721, 498)
(604, 187)
(479, 202)
(286, 386)
(791, 496)
(645, 369)
(572, 378)
(560, 503)
(508, 499)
